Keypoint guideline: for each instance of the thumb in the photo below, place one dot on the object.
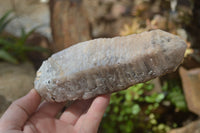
(20, 110)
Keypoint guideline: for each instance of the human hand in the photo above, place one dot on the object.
(27, 115)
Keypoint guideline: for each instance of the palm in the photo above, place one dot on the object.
(82, 116)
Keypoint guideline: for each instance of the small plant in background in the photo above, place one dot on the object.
(4, 21)
(130, 109)
(12, 49)
(175, 95)
(135, 109)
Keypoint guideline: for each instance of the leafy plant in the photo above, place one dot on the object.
(7, 57)
(175, 95)
(134, 109)
(4, 21)
(129, 110)
(14, 49)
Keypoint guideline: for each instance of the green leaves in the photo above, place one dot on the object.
(4, 21)
(175, 95)
(127, 107)
(136, 107)
(7, 57)
(25, 35)
(177, 98)
(13, 49)
(155, 98)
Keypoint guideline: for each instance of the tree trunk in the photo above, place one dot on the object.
(69, 23)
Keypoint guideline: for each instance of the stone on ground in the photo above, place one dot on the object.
(191, 86)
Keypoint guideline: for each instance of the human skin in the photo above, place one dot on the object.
(29, 115)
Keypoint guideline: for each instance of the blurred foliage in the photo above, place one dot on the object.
(175, 95)
(4, 21)
(12, 49)
(134, 28)
(135, 109)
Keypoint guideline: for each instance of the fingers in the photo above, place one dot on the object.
(50, 109)
(91, 121)
(20, 110)
(72, 114)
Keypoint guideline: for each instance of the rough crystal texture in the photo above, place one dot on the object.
(102, 66)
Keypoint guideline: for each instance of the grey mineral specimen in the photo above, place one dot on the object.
(102, 66)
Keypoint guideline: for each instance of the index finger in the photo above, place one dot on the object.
(20, 110)
(90, 122)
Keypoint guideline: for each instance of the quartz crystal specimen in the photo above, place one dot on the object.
(103, 66)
